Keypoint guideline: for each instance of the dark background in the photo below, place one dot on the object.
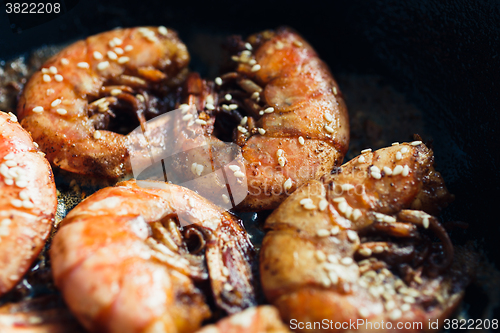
(443, 57)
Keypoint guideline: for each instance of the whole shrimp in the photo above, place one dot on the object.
(127, 258)
(357, 245)
(261, 319)
(282, 107)
(27, 201)
(83, 100)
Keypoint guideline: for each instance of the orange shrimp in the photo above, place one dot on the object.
(127, 257)
(261, 319)
(349, 247)
(78, 106)
(282, 107)
(28, 201)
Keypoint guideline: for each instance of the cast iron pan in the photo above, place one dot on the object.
(443, 58)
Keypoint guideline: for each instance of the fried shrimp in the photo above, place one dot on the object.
(283, 108)
(28, 201)
(262, 319)
(359, 244)
(83, 100)
(127, 258)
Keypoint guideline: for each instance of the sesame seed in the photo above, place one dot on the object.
(323, 204)
(297, 43)
(200, 122)
(123, 60)
(225, 271)
(38, 109)
(55, 103)
(346, 260)
(328, 117)
(45, 71)
(416, 143)
(162, 30)
(255, 68)
(140, 98)
(103, 65)
(356, 214)
(225, 107)
(218, 81)
(262, 131)
(364, 313)
(399, 156)
(115, 92)
(352, 235)
(405, 307)
(248, 46)
(334, 89)
(16, 203)
(118, 50)
(309, 206)
(361, 159)
(58, 77)
(9, 156)
(12, 117)
(395, 314)
(62, 112)
(23, 195)
(46, 78)
(209, 106)
(112, 55)
(389, 305)
(261, 112)
(389, 219)
(287, 184)
(28, 204)
(10, 163)
(347, 187)
(233, 106)
(239, 174)
(244, 121)
(320, 255)
(333, 277)
(322, 233)
(397, 170)
(404, 150)
(367, 150)
(335, 230)
(301, 140)
(187, 117)
(338, 199)
(233, 167)
(425, 222)
(225, 198)
(366, 252)
(64, 61)
(117, 41)
(9, 181)
(387, 170)
(52, 70)
(394, 143)
(199, 169)
(50, 91)
(305, 201)
(406, 171)
(269, 110)
(97, 55)
(329, 129)
(83, 65)
(128, 48)
(228, 97)
(409, 299)
(325, 281)
(378, 249)
(242, 129)
(97, 135)
(280, 152)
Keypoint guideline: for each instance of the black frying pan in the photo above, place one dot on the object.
(444, 58)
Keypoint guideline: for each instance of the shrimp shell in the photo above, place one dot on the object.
(27, 201)
(58, 109)
(122, 264)
(318, 261)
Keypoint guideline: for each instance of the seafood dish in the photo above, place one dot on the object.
(148, 251)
